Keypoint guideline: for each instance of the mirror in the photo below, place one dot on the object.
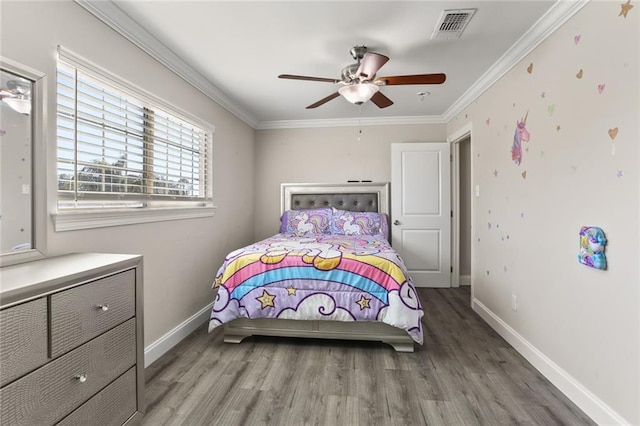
(21, 163)
(15, 163)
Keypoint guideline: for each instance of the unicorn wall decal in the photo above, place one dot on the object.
(521, 134)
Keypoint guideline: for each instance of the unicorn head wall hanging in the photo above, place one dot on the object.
(592, 242)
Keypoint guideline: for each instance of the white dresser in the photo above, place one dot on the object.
(71, 341)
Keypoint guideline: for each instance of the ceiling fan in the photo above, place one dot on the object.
(360, 83)
(17, 95)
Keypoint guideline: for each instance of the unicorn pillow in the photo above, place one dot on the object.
(359, 223)
(302, 222)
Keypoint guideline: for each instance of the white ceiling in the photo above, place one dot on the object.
(240, 47)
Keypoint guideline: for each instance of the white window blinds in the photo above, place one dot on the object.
(117, 148)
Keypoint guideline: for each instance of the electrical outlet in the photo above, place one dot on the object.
(514, 302)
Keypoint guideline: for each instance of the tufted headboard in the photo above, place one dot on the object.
(360, 196)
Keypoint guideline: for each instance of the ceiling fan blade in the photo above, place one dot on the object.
(371, 63)
(324, 100)
(381, 100)
(411, 79)
(303, 77)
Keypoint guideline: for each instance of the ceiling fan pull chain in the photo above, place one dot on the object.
(359, 122)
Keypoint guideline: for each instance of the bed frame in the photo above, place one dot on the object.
(363, 197)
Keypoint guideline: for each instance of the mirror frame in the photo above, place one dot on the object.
(38, 165)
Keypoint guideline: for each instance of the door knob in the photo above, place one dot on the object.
(396, 222)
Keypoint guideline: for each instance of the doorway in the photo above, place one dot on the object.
(464, 190)
(462, 207)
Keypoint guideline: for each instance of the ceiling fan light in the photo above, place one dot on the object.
(19, 104)
(358, 93)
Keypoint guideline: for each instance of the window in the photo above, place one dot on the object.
(118, 147)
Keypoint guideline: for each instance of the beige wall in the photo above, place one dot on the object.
(573, 173)
(325, 155)
(181, 256)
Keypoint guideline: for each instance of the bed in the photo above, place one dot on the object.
(329, 273)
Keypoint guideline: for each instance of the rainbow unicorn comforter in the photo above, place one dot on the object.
(318, 277)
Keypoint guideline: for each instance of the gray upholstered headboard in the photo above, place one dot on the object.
(361, 197)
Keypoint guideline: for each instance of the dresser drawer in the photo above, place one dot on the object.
(54, 390)
(23, 333)
(82, 313)
(112, 406)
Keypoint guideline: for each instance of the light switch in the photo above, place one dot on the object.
(477, 190)
(25, 188)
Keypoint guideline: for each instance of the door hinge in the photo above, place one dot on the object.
(452, 269)
(451, 213)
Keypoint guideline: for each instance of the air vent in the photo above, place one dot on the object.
(452, 23)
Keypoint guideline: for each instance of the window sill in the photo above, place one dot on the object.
(76, 220)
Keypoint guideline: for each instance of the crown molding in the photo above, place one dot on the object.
(114, 17)
(350, 122)
(557, 15)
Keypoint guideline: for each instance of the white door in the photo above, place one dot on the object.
(421, 210)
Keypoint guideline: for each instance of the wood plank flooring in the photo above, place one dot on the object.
(465, 374)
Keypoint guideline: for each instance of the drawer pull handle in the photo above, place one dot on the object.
(80, 378)
(103, 307)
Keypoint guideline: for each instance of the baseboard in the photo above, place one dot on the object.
(175, 336)
(464, 280)
(593, 406)
(432, 285)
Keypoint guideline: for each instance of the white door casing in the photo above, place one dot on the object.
(421, 210)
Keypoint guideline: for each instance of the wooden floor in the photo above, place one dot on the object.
(465, 374)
